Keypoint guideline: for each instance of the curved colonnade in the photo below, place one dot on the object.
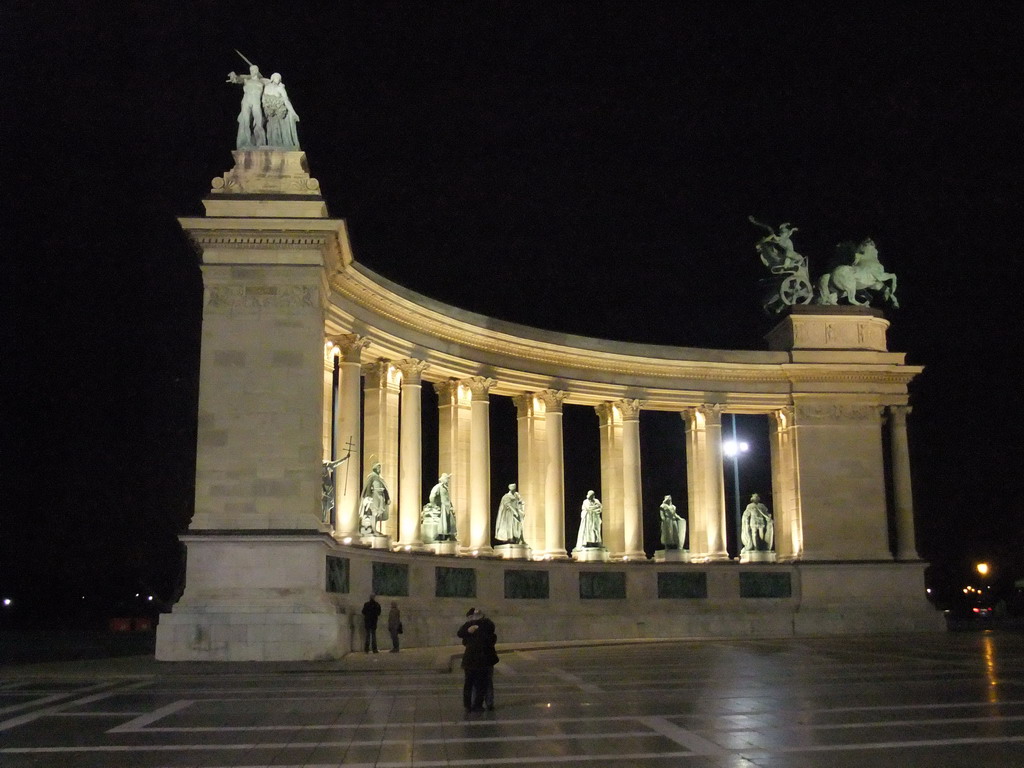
(304, 350)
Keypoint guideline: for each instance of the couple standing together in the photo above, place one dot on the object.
(478, 660)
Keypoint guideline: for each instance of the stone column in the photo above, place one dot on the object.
(632, 503)
(380, 430)
(347, 477)
(410, 456)
(554, 480)
(330, 359)
(480, 466)
(789, 538)
(454, 423)
(903, 495)
(531, 451)
(609, 421)
(705, 483)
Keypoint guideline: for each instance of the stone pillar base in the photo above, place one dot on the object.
(591, 555)
(672, 556)
(376, 541)
(757, 557)
(477, 552)
(444, 547)
(513, 552)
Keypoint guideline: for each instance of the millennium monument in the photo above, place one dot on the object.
(309, 469)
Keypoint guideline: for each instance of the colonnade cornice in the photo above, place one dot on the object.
(748, 381)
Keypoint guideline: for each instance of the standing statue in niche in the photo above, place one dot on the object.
(327, 492)
(757, 528)
(280, 114)
(267, 118)
(673, 527)
(439, 512)
(511, 511)
(590, 523)
(376, 503)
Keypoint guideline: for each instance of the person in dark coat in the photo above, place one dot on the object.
(371, 612)
(394, 625)
(478, 660)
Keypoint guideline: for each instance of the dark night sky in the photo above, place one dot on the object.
(584, 167)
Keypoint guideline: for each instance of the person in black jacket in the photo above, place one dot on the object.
(371, 612)
(478, 660)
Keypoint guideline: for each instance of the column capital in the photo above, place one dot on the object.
(552, 399)
(447, 391)
(897, 414)
(349, 345)
(524, 404)
(378, 373)
(708, 413)
(604, 413)
(782, 417)
(479, 386)
(630, 409)
(412, 370)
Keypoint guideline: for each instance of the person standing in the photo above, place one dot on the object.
(478, 660)
(371, 612)
(394, 626)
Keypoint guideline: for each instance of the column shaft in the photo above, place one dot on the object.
(347, 478)
(480, 466)
(632, 497)
(706, 483)
(531, 451)
(554, 480)
(410, 457)
(380, 431)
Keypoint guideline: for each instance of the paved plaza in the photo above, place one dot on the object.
(944, 699)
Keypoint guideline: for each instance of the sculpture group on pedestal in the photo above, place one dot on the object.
(267, 118)
(437, 521)
(859, 279)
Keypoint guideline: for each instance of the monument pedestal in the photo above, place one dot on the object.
(591, 555)
(376, 541)
(444, 547)
(757, 557)
(512, 551)
(672, 556)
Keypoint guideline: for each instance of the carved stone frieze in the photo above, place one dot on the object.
(831, 413)
(253, 298)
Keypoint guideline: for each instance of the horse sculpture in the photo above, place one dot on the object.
(865, 274)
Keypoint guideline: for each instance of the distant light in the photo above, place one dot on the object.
(929, 590)
(982, 568)
(7, 602)
(150, 597)
(733, 447)
(136, 594)
(476, 552)
(347, 540)
(408, 547)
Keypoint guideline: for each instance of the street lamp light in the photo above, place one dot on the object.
(732, 448)
(982, 569)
